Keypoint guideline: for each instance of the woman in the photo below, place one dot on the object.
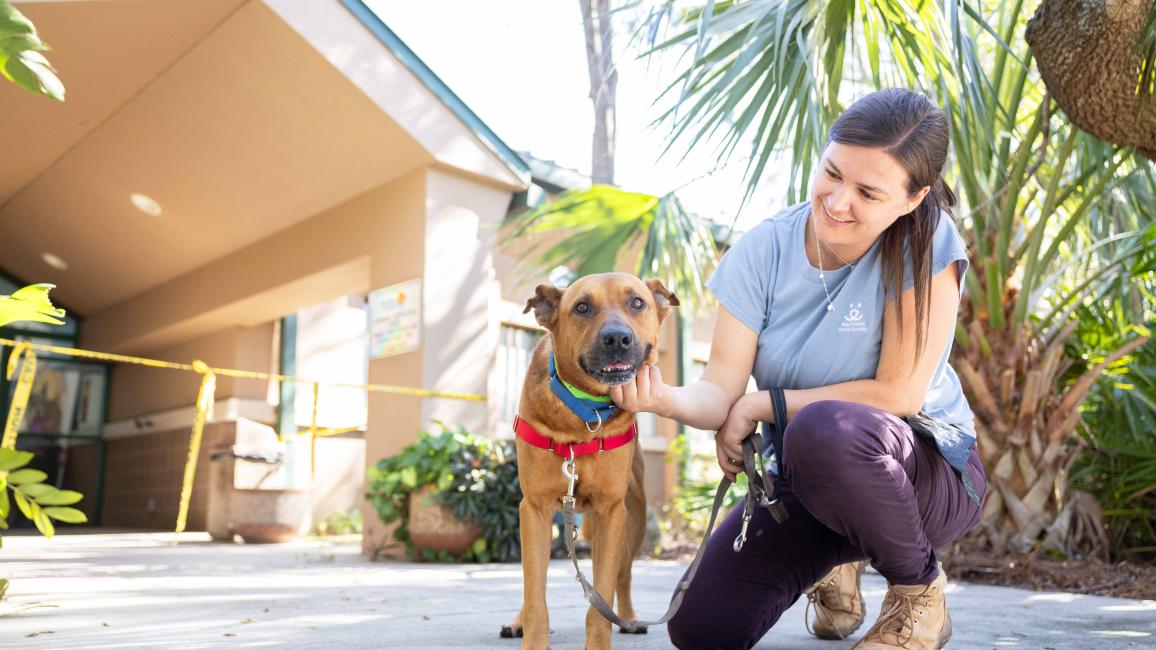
(848, 305)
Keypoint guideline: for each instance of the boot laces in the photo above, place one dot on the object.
(821, 597)
(900, 620)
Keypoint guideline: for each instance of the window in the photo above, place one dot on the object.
(514, 350)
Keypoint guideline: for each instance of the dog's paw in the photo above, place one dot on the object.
(510, 632)
(641, 629)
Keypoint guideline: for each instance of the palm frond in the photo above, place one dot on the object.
(604, 228)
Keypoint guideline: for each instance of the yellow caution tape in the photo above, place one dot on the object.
(313, 435)
(204, 400)
(322, 433)
(245, 374)
(20, 396)
(204, 412)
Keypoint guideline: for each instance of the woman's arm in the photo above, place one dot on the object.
(900, 384)
(705, 403)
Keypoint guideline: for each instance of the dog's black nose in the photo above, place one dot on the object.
(614, 338)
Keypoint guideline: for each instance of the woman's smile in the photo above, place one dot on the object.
(836, 222)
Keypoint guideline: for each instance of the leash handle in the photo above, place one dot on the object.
(759, 489)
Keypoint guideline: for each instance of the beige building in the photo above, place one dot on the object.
(230, 180)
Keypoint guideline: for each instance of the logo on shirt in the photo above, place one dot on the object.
(854, 320)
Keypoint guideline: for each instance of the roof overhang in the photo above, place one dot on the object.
(240, 118)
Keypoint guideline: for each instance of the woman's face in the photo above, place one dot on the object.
(856, 194)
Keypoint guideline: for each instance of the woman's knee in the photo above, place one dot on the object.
(817, 433)
(828, 437)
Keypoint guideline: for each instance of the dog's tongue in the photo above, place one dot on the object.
(618, 365)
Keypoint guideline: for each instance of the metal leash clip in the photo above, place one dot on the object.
(748, 510)
(569, 471)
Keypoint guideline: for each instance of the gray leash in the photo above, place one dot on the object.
(759, 492)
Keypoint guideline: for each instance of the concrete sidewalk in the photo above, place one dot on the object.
(137, 590)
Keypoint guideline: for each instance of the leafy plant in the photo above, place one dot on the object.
(698, 478)
(1118, 465)
(30, 304)
(39, 502)
(21, 60)
(485, 490)
(340, 523)
(472, 476)
(608, 229)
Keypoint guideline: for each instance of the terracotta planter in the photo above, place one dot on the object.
(270, 516)
(434, 527)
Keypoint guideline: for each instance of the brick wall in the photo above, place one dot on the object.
(143, 477)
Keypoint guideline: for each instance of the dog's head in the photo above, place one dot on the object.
(604, 326)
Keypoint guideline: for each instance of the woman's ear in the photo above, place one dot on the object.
(915, 200)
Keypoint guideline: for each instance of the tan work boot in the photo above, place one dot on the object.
(913, 617)
(837, 601)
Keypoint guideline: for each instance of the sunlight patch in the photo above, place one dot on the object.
(1056, 598)
(332, 619)
(1142, 606)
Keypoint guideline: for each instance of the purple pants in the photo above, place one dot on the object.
(859, 484)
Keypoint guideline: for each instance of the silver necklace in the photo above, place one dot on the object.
(851, 265)
(822, 275)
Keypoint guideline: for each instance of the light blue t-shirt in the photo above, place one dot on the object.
(768, 283)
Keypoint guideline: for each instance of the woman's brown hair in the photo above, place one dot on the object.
(913, 131)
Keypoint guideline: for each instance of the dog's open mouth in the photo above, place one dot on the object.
(612, 373)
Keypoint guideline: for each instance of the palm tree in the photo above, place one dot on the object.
(1050, 211)
(1053, 214)
(605, 228)
(597, 23)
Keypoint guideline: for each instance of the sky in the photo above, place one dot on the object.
(520, 65)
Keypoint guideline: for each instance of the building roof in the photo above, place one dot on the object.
(410, 60)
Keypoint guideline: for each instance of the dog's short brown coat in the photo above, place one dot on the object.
(610, 487)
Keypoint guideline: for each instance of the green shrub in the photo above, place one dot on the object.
(475, 478)
(339, 523)
(485, 490)
(39, 502)
(1118, 465)
(698, 478)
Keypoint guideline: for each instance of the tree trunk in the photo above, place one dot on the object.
(1026, 421)
(603, 86)
(1087, 55)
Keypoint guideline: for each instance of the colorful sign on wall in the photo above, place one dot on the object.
(395, 319)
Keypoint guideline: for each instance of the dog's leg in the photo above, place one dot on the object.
(513, 630)
(635, 533)
(535, 530)
(606, 551)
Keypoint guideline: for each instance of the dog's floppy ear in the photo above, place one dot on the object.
(545, 303)
(663, 297)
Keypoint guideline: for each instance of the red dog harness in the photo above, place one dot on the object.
(528, 433)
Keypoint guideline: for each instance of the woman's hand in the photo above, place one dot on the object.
(646, 393)
(741, 422)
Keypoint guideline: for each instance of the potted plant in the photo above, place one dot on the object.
(453, 494)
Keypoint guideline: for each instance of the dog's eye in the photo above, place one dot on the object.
(637, 303)
(582, 308)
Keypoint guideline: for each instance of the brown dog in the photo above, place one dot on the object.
(603, 329)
